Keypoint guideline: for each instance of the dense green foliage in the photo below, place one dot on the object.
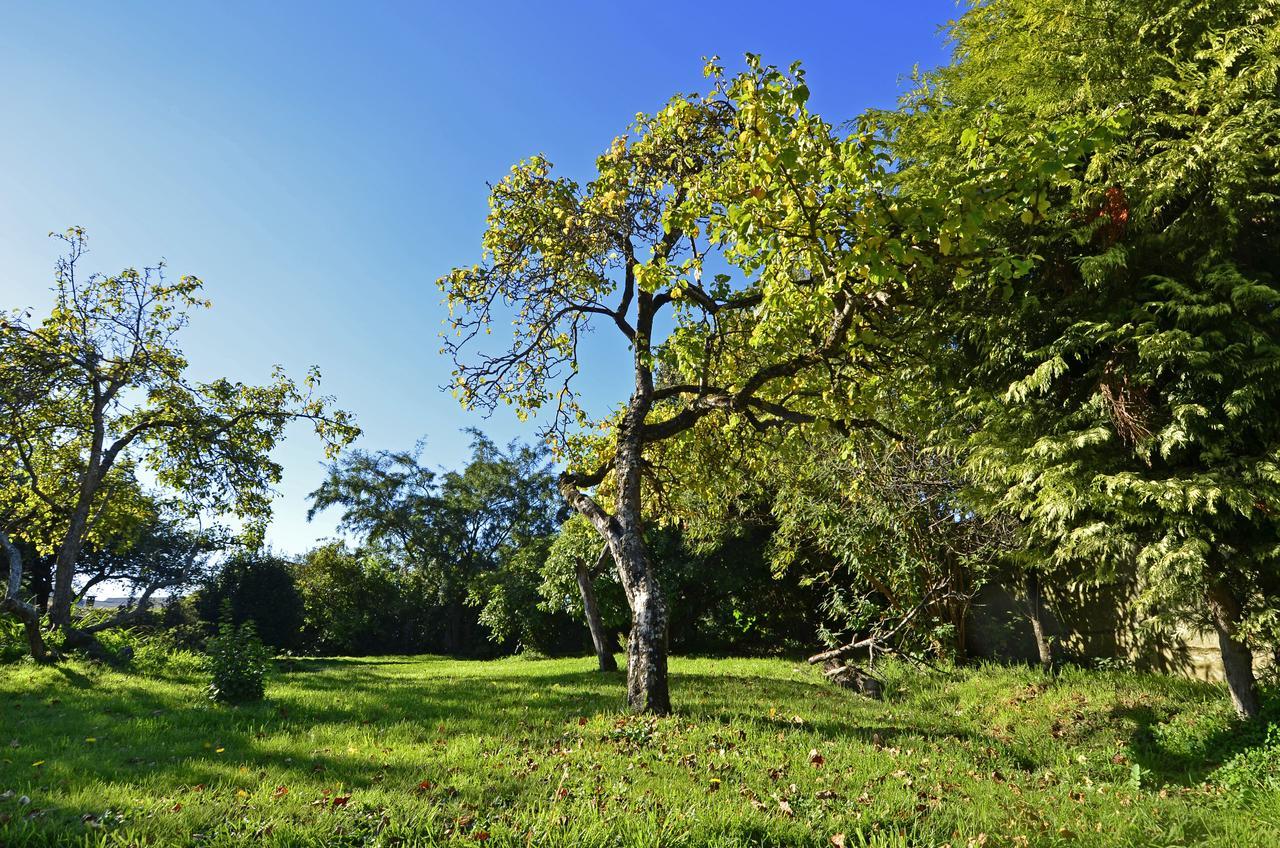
(238, 662)
(882, 528)
(1114, 394)
(357, 602)
(257, 589)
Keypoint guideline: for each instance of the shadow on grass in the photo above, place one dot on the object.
(1190, 762)
(75, 678)
(173, 737)
(386, 725)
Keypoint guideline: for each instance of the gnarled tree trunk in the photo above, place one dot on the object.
(647, 689)
(599, 637)
(15, 606)
(1237, 659)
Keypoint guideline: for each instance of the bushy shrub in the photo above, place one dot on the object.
(120, 644)
(238, 663)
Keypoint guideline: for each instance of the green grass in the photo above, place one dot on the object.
(521, 752)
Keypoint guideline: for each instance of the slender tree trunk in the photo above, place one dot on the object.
(1035, 614)
(599, 638)
(959, 610)
(14, 605)
(64, 569)
(961, 623)
(1237, 659)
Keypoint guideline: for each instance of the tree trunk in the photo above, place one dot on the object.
(599, 638)
(647, 644)
(624, 531)
(1237, 659)
(960, 611)
(64, 569)
(1035, 614)
(14, 605)
(647, 689)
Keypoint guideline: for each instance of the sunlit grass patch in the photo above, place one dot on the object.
(419, 751)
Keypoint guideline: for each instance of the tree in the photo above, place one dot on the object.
(13, 603)
(357, 602)
(744, 255)
(577, 550)
(1119, 397)
(882, 527)
(99, 387)
(161, 552)
(503, 502)
(474, 537)
(258, 587)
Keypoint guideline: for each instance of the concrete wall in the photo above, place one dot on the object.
(1088, 626)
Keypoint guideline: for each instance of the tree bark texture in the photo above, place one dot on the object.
(1237, 659)
(647, 688)
(64, 569)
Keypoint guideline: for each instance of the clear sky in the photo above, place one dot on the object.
(320, 164)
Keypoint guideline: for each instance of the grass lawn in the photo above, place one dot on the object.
(402, 751)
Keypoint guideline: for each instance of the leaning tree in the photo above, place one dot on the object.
(747, 257)
(99, 389)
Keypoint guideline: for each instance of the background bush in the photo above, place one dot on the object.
(259, 588)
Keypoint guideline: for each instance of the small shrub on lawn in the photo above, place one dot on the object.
(238, 663)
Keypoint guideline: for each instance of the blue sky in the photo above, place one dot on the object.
(319, 165)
